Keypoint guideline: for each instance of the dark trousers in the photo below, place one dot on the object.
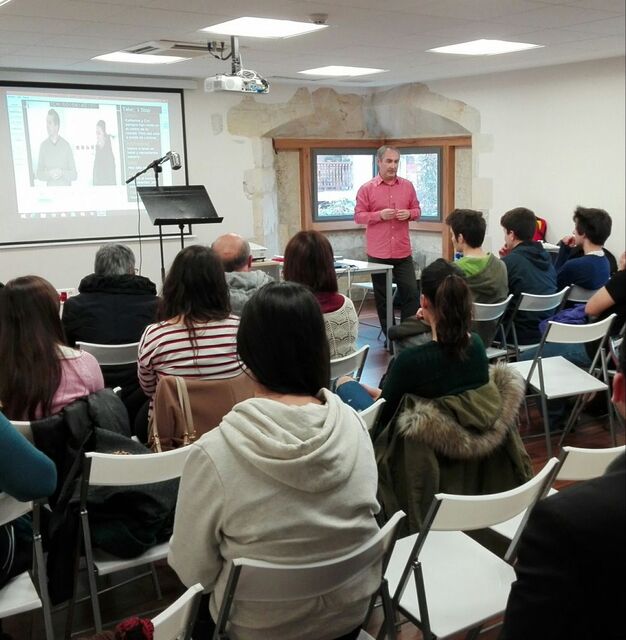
(406, 296)
(205, 627)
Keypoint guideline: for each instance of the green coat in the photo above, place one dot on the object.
(464, 444)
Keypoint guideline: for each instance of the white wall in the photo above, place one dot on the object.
(551, 139)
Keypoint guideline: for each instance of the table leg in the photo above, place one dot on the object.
(389, 304)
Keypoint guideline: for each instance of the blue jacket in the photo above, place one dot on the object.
(530, 270)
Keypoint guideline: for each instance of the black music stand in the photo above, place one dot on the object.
(178, 205)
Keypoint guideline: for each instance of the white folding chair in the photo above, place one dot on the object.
(482, 312)
(370, 415)
(258, 581)
(368, 287)
(556, 377)
(457, 584)
(111, 470)
(352, 364)
(19, 594)
(575, 464)
(533, 303)
(176, 622)
(111, 354)
(579, 294)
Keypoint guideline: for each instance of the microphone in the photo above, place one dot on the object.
(175, 160)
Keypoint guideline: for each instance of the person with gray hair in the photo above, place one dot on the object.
(386, 204)
(242, 281)
(113, 306)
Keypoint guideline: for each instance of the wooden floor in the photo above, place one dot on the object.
(139, 597)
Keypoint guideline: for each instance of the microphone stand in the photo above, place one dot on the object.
(156, 165)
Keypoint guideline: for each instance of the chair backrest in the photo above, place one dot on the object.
(535, 302)
(577, 333)
(583, 464)
(109, 469)
(111, 354)
(267, 582)
(467, 513)
(350, 364)
(579, 294)
(178, 619)
(370, 415)
(487, 312)
(10, 508)
(23, 426)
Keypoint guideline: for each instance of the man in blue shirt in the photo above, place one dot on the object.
(592, 227)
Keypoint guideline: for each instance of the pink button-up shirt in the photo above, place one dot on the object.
(386, 238)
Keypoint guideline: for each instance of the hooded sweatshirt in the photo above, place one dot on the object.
(284, 484)
(242, 285)
(530, 270)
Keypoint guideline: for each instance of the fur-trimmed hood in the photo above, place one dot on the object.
(468, 425)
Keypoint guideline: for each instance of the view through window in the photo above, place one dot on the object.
(337, 175)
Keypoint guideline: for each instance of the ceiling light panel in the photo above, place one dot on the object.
(338, 71)
(485, 48)
(263, 28)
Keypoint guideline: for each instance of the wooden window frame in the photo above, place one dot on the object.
(448, 146)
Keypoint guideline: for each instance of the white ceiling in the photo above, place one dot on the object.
(64, 35)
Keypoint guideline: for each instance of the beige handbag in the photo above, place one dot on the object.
(185, 409)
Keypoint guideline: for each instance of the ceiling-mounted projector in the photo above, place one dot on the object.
(243, 82)
(240, 79)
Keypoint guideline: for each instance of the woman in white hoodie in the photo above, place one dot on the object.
(288, 477)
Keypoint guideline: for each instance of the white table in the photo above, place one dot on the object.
(353, 267)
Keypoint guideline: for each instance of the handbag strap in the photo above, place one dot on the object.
(183, 400)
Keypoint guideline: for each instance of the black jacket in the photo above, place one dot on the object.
(110, 309)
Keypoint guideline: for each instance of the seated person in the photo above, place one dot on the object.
(459, 434)
(592, 227)
(195, 336)
(485, 275)
(40, 374)
(242, 280)
(289, 476)
(16, 456)
(529, 270)
(570, 581)
(309, 261)
(113, 306)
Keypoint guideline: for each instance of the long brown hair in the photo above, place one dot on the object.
(30, 335)
(309, 261)
(195, 289)
(451, 299)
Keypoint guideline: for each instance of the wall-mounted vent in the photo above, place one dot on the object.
(170, 47)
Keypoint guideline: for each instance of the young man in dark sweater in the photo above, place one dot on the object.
(592, 227)
(529, 269)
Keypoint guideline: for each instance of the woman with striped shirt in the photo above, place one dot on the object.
(196, 336)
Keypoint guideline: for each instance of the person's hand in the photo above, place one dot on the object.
(504, 251)
(622, 262)
(569, 241)
(55, 174)
(388, 214)
(403, 214)
(374, 392)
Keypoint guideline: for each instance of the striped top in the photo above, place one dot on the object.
(166, 350)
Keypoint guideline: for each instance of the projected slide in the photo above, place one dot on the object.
(71, 151)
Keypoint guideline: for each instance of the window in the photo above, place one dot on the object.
(337, 175)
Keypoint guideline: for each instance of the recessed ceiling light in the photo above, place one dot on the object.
(137, 58)
(334, 70)
(484, 48)
(4, 2)
(264, 28)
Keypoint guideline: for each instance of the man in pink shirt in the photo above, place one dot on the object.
(386, 204)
